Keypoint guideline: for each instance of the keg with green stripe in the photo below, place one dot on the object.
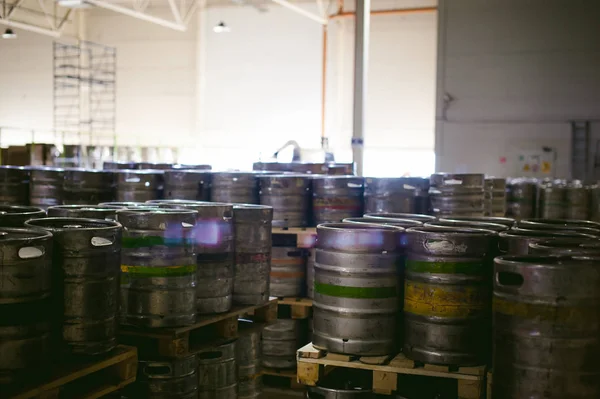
(357, 274)
(158, 265)
(546, 312)
(447, 295)
(213, 241)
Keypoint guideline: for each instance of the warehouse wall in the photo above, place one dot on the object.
(227, 97)
(272, 65)
(511, 75)
(26, 81)
(156, 75)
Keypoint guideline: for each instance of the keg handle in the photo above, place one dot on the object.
(509, 279)
(227, 215)
(154, 369)
(101, 241)
(31, 252)
(452, 181)
(210, 355)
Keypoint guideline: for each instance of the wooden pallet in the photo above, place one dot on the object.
(280, 378)
(314, 364)
(306, 237)
(88, 379)
(184, 341)
(300, 307)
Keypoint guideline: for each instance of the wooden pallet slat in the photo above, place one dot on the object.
(183, 341)
(313, 364)
(300, 307)
(88, 379)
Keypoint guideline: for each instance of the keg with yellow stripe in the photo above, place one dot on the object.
(356, 301)
(546, 312)
(447, 295)
(158, 267)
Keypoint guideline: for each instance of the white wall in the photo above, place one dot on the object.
(156, 75)
(517, 72)
(25, 83)
(263, 86)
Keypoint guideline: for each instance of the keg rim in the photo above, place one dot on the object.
(124, 204)
(560, 222)
(15, 167)
(393, 215)
(104, 224)
(445, 230)
(293, 175)
(44, 168)
(252, 206)
(568, 244)
(344, 391)
(534, 260)
(39, 233)
(186, 171)
(153, 210)
(187, 203)
(497, 227)
(21, 210)
(383, 221)
(77, 207)
(484, 219)
(339, 227)
(572, 229)
(107, 172)
(149, 172)
(516, 233)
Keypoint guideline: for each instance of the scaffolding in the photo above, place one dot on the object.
(85, 93)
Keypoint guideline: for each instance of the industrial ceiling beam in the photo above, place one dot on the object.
(139, 15)
(31, 28)
(301, 11)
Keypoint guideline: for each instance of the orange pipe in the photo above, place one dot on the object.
(324, 81)
(387, 12)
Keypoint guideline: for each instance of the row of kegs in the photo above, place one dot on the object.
(553, 199)
(298, 200)
(68, 280)
(384, 283)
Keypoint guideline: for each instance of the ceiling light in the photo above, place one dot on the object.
(9, 34)
(73, 3)
(221, 28)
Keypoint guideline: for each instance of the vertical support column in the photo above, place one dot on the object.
(361, 58)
